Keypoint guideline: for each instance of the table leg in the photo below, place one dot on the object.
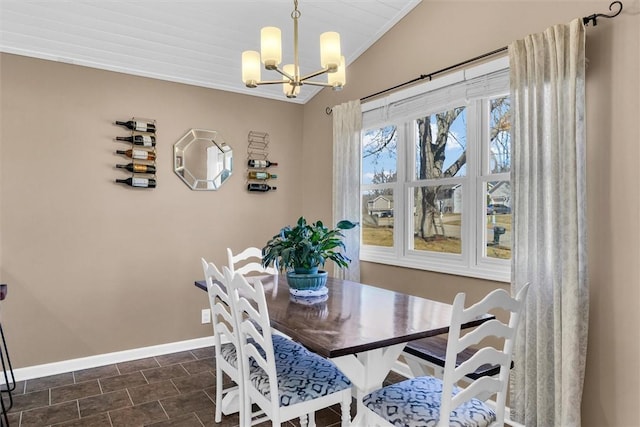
(231, 402)
(367, 371)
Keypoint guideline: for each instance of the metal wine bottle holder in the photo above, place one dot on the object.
(139, 164)
(257, 149)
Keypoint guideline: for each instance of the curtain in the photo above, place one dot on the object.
(549, 248)
(347, 124)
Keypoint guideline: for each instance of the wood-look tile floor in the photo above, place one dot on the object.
(175, 390)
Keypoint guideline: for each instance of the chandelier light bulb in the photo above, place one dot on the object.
(271, 47)
(250, 68)
(330, 50)
(289, 87)
(338, 79)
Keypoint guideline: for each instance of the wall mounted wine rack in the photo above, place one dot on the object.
(259, 177)
(141, 152)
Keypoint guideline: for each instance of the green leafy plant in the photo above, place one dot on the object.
(307, 246)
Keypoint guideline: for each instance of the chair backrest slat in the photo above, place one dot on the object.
(489, 328)
(499, 299)
(481, 388)
(485, 356)
(248, 261)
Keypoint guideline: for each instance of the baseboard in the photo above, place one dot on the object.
(107, 359)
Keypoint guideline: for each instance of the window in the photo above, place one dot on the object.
(435, 168)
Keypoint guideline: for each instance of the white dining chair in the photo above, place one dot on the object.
(226, 341)
(438, 402)
(248, 262)
(284, 384)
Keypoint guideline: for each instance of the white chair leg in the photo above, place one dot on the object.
(312, 419)
(303, 420)
(218, 395)
(345, 407)
(245, 412)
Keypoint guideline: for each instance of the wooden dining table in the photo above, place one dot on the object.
(361, 328)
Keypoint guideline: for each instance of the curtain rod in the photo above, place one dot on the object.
(430, 76)
(593, 19)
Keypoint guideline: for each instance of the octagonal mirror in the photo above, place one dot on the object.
(202, 159)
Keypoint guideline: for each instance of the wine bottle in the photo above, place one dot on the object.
(261, 175)
(138, 168)
(138, 182)
(138, 154)
(139, 126)
(253, 163)
(260, 187)
(144, 140)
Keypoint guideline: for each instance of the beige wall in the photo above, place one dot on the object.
(94, 267)
(441, 33)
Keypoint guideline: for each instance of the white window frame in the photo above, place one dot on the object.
(380, 113)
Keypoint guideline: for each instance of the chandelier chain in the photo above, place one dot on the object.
(296, 13)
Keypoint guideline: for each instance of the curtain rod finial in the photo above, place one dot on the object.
(594, 18)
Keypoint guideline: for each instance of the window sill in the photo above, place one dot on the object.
(497, 273)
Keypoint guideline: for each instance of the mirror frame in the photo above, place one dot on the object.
(199, 139)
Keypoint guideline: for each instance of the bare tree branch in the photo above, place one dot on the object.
(382, 142)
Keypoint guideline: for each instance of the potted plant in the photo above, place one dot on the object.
(302, 249)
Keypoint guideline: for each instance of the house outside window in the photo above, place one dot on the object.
(435, 168)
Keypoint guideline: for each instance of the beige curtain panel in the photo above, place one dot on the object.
(347, 125)
(549, 248)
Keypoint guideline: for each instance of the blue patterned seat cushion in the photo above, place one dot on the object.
(228, 353)
(228, 350)
(302, 375)
(416, 403)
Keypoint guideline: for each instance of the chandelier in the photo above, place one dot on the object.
(331, 60)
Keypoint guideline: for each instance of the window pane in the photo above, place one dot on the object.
(499, 216)
(441, 143)
(437, 218)
(499, 137)
(379, 155)
(377, 217)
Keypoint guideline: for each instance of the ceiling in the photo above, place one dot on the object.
(197, 42)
